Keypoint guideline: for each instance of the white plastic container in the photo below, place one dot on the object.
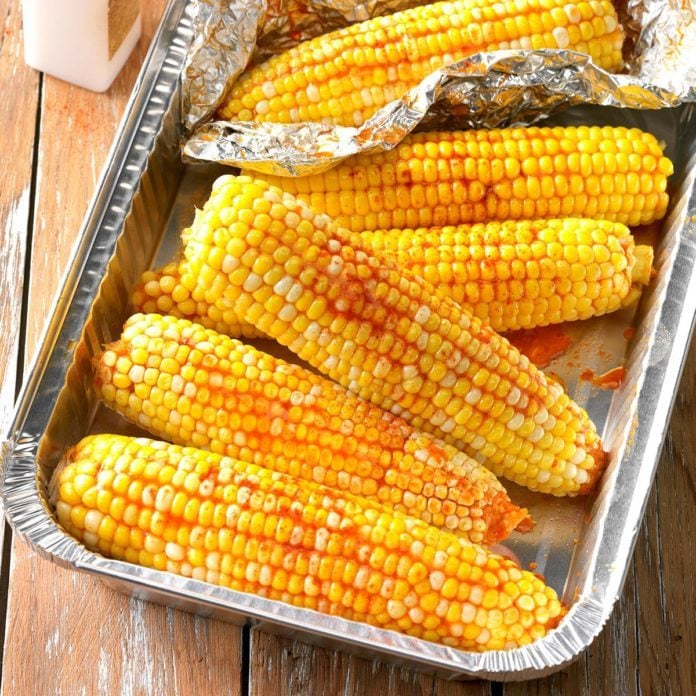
(85, 42)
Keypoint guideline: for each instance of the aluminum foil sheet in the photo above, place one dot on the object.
(665, 47)
(582, 546)
(488, 89)
(224, 39)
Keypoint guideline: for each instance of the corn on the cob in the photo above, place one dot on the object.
(438, 179)
(511, 275)
(193, 386)
(385, 335)
(213, 519)
(344, 77)
(523, 274)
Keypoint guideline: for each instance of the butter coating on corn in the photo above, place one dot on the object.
(193, 386)
(439, 179)
(344, 77)
(511, 275)
(385, 335)
(213, 519)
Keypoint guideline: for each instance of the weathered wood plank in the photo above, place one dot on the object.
(609, 664)
(19, 87)
(284, 667)
(77, 130)
(666, 557)
(85, 638)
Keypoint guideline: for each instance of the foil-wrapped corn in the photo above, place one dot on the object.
(344, 77)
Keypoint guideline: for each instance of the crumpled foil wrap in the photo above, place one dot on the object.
(487, 89)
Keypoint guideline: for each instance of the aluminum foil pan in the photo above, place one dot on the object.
(582, 546)
(487, 89)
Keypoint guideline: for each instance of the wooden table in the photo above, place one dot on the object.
(66, 633)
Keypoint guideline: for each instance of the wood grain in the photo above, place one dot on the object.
(77, 130)
(666, 557)
(89, 639)
(20, 84)
(86, 638)
(284, 667)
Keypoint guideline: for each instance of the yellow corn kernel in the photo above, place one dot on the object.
(162, 291)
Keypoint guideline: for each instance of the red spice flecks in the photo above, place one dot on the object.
(587, 375)
(611, 379)
(629, 333)
(541, 345)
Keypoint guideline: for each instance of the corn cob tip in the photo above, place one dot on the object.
(642, 273)
(526, 523)
(102, 366)
(600, 458)
(643, 267)
(160, 291)
(508, 518)
(54, 480)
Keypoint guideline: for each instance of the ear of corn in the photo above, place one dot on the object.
(439, 179)
(193, 386)
(511, 275)
(344, 77)
(210, 518)
(526, 273)
(385, 335)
